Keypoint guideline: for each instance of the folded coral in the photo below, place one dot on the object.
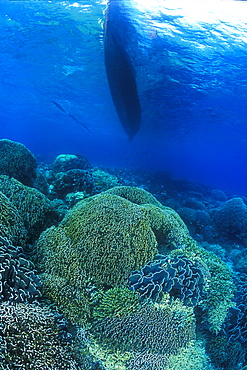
(18, 283)
(179, 276)
(235, 325)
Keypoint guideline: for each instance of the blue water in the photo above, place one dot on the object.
(190, 60)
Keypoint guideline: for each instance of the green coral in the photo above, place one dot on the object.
(105, 180)
(169, 229)
(11, 223)
(111, 238)
(161, 328)
(34, 207)
(219, 284)
(104, 238)
(31, 339)
(117, 301)
(224, 354)
(72, 301)
(193, 357)
(134, 195)
(17, 161)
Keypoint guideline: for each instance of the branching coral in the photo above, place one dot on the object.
(104, 180)
(192, 357)
(74, 181)
(146, 360)
(118, 302)
(31, 339)
(161, 328)
(134, 195)
(66, 162)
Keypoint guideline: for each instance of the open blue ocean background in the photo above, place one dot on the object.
(190, 60)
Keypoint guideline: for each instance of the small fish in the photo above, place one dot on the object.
(70, 115)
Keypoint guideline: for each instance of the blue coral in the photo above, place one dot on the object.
(179, 276)
(235, 325)
(18, 283)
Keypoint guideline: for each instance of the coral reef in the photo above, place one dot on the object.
(11, 223)
(231, 220)
(160, 328)
(34, 207)
(66, 162)
(219, 287)
(178, 276)
(63, 279)
(34, 338)
(73, 181)
(235, 325)
(115, 302)
(224, 354)
(108, 238)
(147, 360)
(104, 180)
(134, 195)
(105, 237)
(74, 302)
(18, 283)
(193, 357)
(17, 161)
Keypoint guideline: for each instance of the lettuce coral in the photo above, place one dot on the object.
(18, 283)
(219, 287)
(178, 276)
